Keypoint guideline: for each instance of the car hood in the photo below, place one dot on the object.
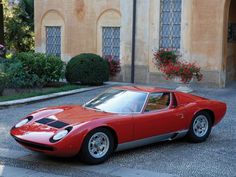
(69, 114)
(47, 121)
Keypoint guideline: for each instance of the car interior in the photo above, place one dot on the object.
(158, 101)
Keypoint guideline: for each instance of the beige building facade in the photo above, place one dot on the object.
(203, 31)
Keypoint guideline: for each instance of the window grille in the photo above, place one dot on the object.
(111, 42)
(170, 24)
(53, 40)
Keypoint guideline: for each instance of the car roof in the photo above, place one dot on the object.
(142, 89)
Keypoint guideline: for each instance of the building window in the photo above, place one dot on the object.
(170, 24)
(111, 42)
(53, 40)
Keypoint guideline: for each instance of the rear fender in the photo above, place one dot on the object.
(218, 109)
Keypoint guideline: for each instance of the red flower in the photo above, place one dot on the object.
(114, 65)
(167, 61)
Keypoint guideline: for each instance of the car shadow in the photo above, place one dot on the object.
(174, 145)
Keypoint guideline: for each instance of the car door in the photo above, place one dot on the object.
(160, 116)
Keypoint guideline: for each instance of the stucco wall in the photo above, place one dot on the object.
(201, 39)
(207, 37)
(147, 38)
(81, 18)
(202, 36)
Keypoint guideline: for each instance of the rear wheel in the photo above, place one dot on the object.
(200, 128)
(97, 147)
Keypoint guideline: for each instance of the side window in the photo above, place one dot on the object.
(158, 101)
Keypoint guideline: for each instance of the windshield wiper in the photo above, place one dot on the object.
(95, 108)
(98, 109)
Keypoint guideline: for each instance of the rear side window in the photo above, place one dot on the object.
(158, 101)
(174, 100)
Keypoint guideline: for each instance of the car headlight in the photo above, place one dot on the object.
(59, 135)
(23, 122)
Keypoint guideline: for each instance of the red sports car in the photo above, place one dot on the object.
(120, 118)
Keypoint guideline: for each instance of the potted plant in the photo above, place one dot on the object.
(164, 57)
(180, 71)
(183, 73)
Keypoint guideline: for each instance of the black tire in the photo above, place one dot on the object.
(85, 155)
(193, 135)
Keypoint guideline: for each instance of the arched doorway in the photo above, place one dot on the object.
(231, 43)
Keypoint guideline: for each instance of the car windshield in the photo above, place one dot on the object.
(118, 101)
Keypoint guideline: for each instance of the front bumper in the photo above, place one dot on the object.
(35, 146)
(66, 147)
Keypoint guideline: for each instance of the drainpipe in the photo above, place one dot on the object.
(133, 41)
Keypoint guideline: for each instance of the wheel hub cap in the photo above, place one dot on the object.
(98, 145)
(200, 126)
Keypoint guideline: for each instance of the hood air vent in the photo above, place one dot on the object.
(52, 123)
(45, 121)
(58, 124)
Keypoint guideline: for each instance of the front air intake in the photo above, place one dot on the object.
(36, 146)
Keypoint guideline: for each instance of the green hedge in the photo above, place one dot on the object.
(27, 70)
(3, 82)
(88, 69)
(46, 67)
(20, 78)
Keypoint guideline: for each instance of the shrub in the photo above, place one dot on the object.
(20, 78)
(89, 69)
(28, 70)
(47, 68)
(3, 82)
(114, 65)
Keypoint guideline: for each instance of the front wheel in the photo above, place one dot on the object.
(97, 147)
(200, 128)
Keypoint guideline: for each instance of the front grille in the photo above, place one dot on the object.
(34, 145)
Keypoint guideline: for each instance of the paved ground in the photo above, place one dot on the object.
(216, 157)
